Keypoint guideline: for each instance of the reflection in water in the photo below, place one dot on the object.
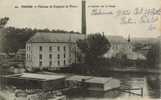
(154, 84)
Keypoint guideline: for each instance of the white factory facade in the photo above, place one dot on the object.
(53, 50)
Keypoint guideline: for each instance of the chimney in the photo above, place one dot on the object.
(83, 17)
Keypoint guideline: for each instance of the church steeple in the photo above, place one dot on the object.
(83, 17)
(129, 40)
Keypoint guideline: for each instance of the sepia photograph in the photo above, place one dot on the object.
(80, 49)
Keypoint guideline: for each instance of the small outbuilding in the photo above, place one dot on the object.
(102, 83)
(92, 83)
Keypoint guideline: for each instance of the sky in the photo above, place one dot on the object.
(70, 18)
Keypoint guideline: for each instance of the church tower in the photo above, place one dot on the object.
(83, 17)
(129, 43)
(129, 40)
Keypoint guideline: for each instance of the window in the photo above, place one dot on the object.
(69, 60)
(64, 62)
(64, 55)
(79, 59)
(40, 56)
(50, 48)
(58, 63)
(40, 63)
(64, 48)
(58, 48)
(58, 56)
(27, 57)
(40, 48)
(50, 56)
(50, 63)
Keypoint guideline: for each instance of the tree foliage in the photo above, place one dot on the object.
(94, 46)
(153, 55)
(3, 21)
(15, 38)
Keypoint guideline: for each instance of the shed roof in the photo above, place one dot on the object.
(78, 78)
(41, 76)
(42, 37)
(99, 80)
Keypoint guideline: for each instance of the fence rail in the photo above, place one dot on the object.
(130, 91)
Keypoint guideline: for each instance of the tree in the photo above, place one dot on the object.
(3, 21)
(93, 47)
(121, 58)
(15, 38)
(153, 55)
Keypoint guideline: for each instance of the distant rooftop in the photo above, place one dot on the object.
(42, 37)
(2, 53)
(21, 51)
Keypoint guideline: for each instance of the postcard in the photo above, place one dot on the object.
(80, 49)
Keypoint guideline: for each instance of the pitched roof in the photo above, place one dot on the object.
(78, 78)
(41, 76)
(99, 80)
(42, 37)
